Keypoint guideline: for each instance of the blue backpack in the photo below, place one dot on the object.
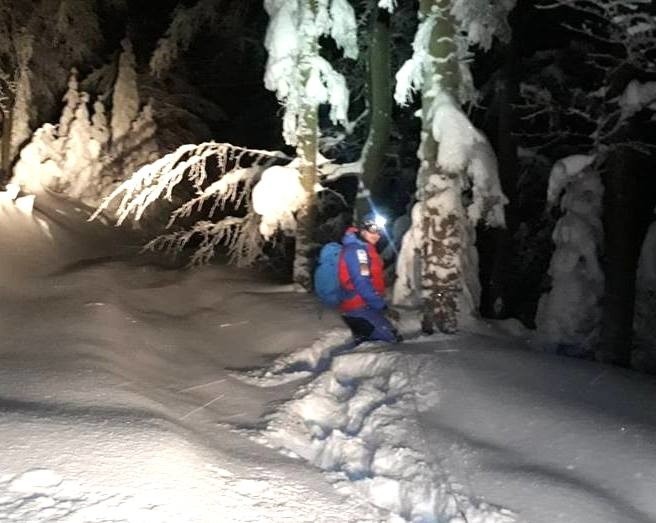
(326, 275)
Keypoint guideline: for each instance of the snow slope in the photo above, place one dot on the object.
(104, 365)
(136, 392)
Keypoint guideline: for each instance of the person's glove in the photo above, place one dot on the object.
(392, 314)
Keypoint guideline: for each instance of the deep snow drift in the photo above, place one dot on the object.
(134, 392)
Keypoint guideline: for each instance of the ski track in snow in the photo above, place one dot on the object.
(352, 421)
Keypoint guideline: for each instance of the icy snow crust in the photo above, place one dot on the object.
(125, 397)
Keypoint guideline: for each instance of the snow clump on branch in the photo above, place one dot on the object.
(276, 197)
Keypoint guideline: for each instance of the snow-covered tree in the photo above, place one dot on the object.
(568, 316)
(81, 153)
(7, 98)
(40, 40)
(300, 77)
(302, 80)
(125, 98)
(438, 264)
(84, 157)
(23, 111)
(620, 41)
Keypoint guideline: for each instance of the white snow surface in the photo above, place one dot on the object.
(125, 397)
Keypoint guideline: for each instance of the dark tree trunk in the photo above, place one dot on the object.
(379, 87)
(5, 145)
(497, 292)
(622, 249)
(380, 103)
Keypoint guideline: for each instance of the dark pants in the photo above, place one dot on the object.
(370, 325)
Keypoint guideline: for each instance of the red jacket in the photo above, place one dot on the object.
(361, 274)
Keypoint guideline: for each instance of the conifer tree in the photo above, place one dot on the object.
(125, 97)
(39, 40)
(438, 257)
(302, 80)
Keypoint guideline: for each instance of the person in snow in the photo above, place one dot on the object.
(361, 276)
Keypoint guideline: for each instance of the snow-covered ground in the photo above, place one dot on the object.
(134, 392)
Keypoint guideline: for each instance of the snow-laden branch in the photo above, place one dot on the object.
(223, 191)
(239, 234)
(157, 180)
(266, 195)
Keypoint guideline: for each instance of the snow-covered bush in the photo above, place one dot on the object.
(568, 316)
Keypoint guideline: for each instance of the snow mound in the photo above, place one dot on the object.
(352, 420)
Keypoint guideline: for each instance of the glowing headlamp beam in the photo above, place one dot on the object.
(380, 220)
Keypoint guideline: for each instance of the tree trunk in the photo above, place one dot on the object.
(5, 146)
(442, 232)
(622, 240)
(306, 151)
(7, 124)
(380, 108)
(441, 252)
(622, 249)
(498, 293)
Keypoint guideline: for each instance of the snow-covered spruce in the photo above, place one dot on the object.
(569, 315)
(85, 156)
(352, 420)
(438, 257)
